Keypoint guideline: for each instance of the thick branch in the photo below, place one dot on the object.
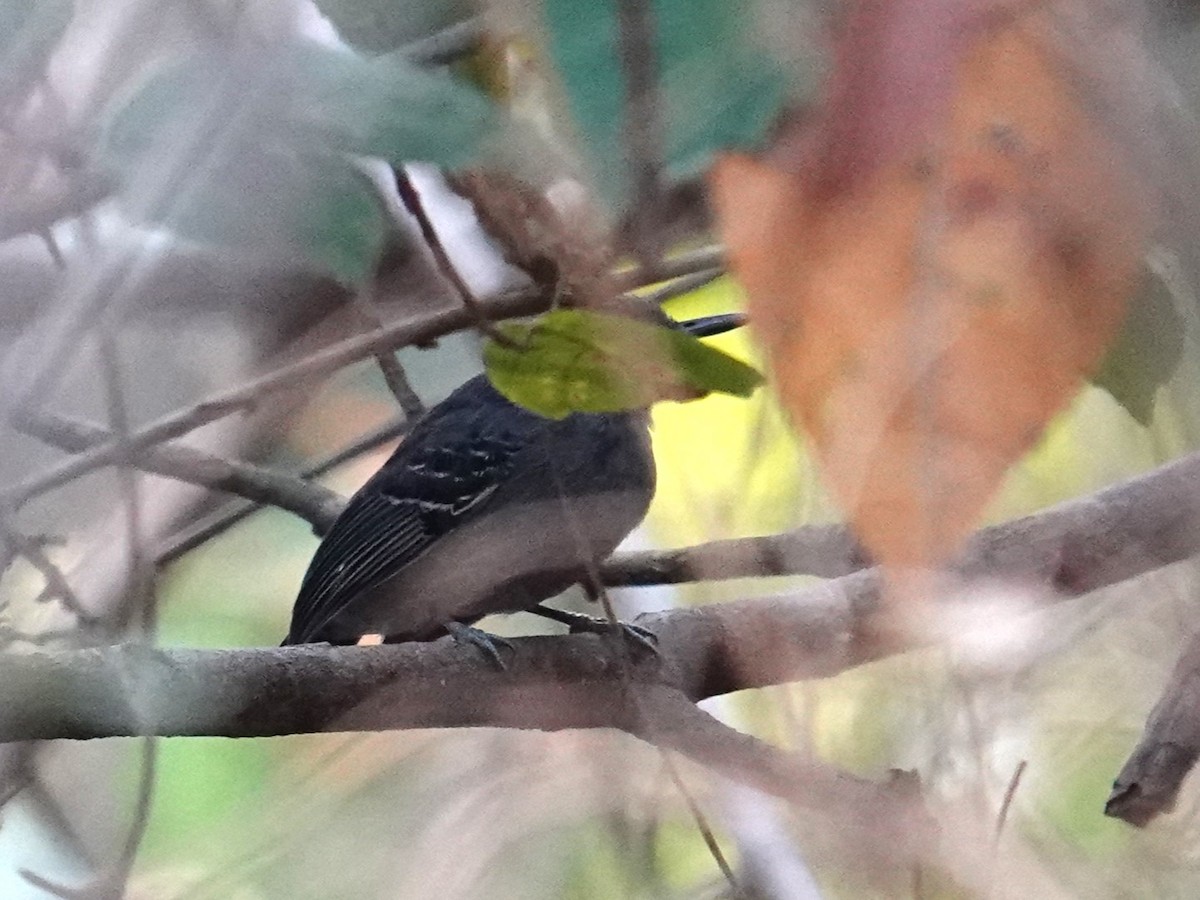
(1118, 533)
(1075, 547)
(550, 684)
(576, 681)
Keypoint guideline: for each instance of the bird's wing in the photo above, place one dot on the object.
(443, 478)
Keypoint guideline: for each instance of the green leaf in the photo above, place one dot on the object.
(256, 153)
(572, 360)
(29, 32)
(377, 26)
(1146, 352)
(718, 86)
(390, 108)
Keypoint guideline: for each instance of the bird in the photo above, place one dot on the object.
(484, 507)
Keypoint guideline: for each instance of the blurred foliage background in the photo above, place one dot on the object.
(234, 220)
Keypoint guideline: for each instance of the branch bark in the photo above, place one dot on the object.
(1149, 782)
(576, 681)
(1118, 533)
(418, 330)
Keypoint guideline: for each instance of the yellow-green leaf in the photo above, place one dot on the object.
(572, 360)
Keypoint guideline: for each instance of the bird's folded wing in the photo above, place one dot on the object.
(371, 541)
(435, 483)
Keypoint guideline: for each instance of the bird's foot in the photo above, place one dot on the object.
(487, 644)
(577, 623)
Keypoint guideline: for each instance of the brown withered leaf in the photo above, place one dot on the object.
(930, 302)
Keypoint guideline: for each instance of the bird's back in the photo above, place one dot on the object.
(485, 507)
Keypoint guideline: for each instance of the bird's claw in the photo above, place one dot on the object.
(487, 644)
(642, 638)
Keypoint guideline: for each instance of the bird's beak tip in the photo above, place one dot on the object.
(707, 326)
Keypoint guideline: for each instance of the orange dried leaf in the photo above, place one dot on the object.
(926, 318)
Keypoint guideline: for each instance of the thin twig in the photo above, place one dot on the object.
(595, 588)
(683, 285)
(1009, 794)
(673, 267)
(222, 520)
(642, 127)
(702, 823)
(56, 584)
(312, 502)
(446, 46)
(147, 779)
(411, 198)
(142, 595)
(418, 330)
(393, 373)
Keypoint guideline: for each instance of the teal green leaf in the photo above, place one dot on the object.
(1146, 352)
(29, 32)
(377, 26)
(390, 108)
(719, 87)
(256, 153)
(572, 360)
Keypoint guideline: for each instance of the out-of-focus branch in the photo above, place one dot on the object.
(85, 191)
(413, 331)
(56, 584)
(1090, 542)
(197, 533)
(446, 46)
(1149, 782)
(828, 551)
(642, 126)
(417, 330)
(704, 259)
(393, 373)
(410, 197)
(312, 502)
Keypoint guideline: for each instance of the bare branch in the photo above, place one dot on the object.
(446, 46)
(684, 284)
(418, 330)
(77, 197)
(828, 551)
(642, 127)
(550, 684)
(1119, 533)
(57, 586)
(310, 501)
(578, 681)
(209, 527)
(393, 373)
(411, 198)
(574, 682)
(674, 267)
(1149, 782)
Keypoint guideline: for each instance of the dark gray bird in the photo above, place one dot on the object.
(485, 507)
